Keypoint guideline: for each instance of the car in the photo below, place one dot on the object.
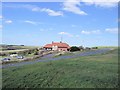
(6, 59)
(13, 55)
(19, 57)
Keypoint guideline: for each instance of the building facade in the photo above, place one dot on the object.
(57, 46)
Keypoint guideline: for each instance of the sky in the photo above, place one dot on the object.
(78, 23)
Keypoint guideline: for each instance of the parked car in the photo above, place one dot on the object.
(13, 55)
(19, 57)
(6, 59)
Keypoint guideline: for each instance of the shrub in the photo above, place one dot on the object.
(87, 48)
(74, 48)
(30, 52)
(94, 47)
(3, 54)
(36, 53)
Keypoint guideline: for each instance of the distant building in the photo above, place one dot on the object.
(59, 46)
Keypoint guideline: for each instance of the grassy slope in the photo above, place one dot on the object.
(19, 48)
(107, 47)
(83, 72)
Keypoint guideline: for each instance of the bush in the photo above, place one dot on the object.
(87, 48)
(14, 53)
(29, 51)
(36, 53)
(3, 54)
(81, 48)
(23, 52)
(74, 48)
(94, 47)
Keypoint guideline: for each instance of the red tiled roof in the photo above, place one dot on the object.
(60, 45)
(48, 46)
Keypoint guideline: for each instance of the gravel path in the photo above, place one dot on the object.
(51, 58)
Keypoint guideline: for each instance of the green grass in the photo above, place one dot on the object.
(6, 51)
(4, 47)
(98, 71)
(17, 48)
(106, 47)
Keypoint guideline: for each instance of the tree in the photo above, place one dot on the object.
(94, 47)
(74, 48)
(81, 47)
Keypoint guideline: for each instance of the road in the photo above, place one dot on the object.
(51, 58)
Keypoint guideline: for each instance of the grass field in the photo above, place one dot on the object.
(16, 47)
(98, 71)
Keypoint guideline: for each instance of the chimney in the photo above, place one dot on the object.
(52, 42)
(61, 39)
